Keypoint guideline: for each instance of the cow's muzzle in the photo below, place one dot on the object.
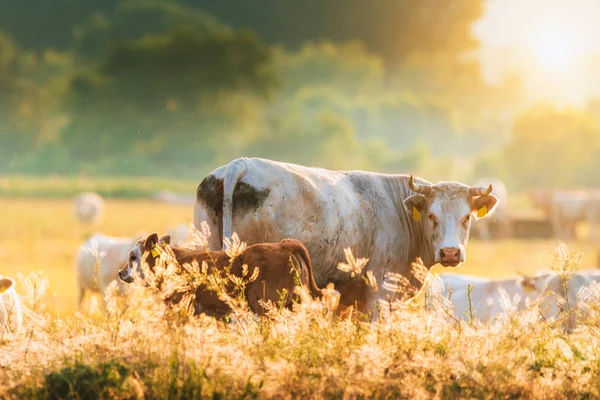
(125, 276)
(450, 257)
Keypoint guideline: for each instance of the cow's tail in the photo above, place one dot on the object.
(296, 247)
(233, 173)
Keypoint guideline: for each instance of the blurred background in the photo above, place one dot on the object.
(446, 89)
(142, 98)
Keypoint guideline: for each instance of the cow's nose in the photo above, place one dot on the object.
(450, 255)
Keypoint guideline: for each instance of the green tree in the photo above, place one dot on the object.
(148, 100)
(554, 149)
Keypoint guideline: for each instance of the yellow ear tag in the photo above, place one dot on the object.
(416, 214)
(155, 252)
(482, 211)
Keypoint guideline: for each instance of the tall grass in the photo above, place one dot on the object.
(144, 348)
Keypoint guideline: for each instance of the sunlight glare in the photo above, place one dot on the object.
(555, 50)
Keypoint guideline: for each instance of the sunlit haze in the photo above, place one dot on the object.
(552, 44)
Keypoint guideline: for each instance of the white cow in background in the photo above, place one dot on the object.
(99, 260)
(102, 256)
(179, 234)
(89, 208)
(500, 216)
(489, 297)
(11, 314)
(492, 297)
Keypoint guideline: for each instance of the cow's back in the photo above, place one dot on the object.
(326, 210)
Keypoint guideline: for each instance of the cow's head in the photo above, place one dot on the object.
(144, 250)
(445, 211)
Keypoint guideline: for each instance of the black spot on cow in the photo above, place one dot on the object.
(361, 184)
(210, 193)
(248, 198)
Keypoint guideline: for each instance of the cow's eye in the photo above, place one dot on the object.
(433, 219)
(466, 219)
(132, 257)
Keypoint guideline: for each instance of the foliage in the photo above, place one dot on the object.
(553, 148)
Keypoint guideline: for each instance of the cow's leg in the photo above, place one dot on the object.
(80, 297)
(214, 222)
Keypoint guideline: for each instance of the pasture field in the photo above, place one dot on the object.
(142, 350)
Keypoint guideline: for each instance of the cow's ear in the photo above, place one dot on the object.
(151, 241)
(415, 205)
(5, 284)
(484, 205)
(528, 284)
(165, 239)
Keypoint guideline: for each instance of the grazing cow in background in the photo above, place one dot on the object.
(281, 267)
(390, 219)
(89, 208)
(489, 297)
(11, 314)
(565, 208)
(556, 299)
(99, 260)
(499, 222)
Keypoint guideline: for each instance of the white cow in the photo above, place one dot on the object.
(500, 218)
(88, 208)
(390, 219)
(489, 297)
(555, 301)
(99, 260)
(11, 314)
(179, 234)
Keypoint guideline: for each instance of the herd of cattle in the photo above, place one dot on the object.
(299, 222)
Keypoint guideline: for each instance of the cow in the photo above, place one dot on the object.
(281, 267)
(566, 208)
(489, 297)
(390, 219)
(98, 262)
(558, 300)
(499, 222)
(89, 208)
(11, 314)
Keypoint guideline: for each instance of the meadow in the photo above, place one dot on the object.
(140, 349)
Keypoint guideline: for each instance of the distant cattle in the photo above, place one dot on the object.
(566, 208)
(89, 208)
(492, 297)
(281, 267)
(11, 314)
(390, 219)
(98, 262)
(498, 225)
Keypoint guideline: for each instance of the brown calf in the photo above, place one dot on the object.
(280, 266)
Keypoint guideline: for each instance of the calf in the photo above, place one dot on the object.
(11, 316)
(281, 266)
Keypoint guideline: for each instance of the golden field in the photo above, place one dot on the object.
(43, 235)
(140, 349)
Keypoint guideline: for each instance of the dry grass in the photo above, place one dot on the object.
(142, 349)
